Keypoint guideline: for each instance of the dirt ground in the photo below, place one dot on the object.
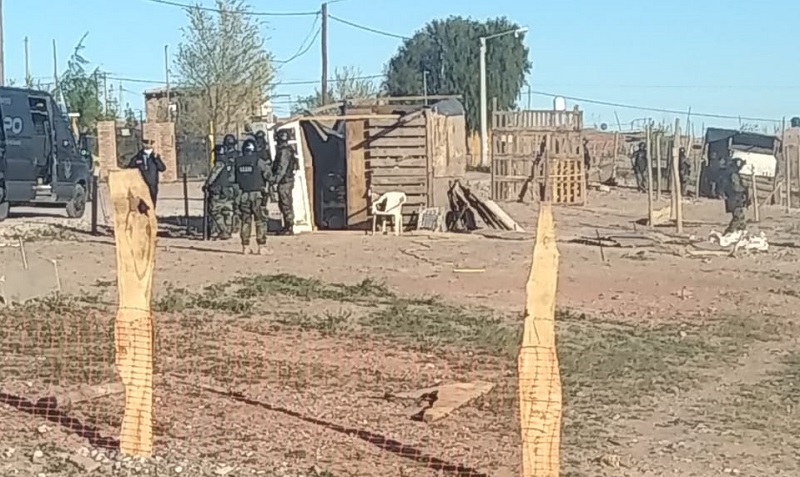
(671, 364)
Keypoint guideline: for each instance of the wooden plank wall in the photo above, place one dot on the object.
(514, 153)
(538, 120)
(396, 158)
(447, 143)
(357, 198)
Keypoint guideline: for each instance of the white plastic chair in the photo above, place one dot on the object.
(388, 205)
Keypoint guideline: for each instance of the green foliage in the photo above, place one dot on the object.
(450, 51)
(224, 65)
(80, 89)
(348, 84)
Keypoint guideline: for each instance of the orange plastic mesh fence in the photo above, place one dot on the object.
(270, 373)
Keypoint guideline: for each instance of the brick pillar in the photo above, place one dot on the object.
(106, 147)
(164, 136)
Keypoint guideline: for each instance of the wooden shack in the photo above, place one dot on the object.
(411, 149)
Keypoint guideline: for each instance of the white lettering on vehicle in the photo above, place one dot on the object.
(12, 124)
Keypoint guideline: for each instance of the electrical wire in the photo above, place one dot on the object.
(243, 12)
(278, 83)
(652, 110)
(303, 49)
(366, 28)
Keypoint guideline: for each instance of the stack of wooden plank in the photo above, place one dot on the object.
(464, 203)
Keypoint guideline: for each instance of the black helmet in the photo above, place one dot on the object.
(282, 136)
(260, 134)
(249, 145)
(642, 145)
(229, 141)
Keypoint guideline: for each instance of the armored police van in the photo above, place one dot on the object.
(40, 162)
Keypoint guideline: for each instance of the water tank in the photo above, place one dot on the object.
(559, 104)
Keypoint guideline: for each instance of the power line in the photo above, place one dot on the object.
(277, 83)
(653, 110)
(242, 12)
(670, 86)
(369, 29)
(303, 49)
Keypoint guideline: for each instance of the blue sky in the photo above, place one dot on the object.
(733, 58)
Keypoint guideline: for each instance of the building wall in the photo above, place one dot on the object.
(163, 133)
(107, 147)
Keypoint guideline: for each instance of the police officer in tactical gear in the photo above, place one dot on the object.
(252, 176)
(283, 168)
(220, 188)
(737, 197)
(684, 170)
(229, 145)
(640, 167)
(150, 166)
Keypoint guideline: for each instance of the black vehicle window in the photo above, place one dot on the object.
(38, 107)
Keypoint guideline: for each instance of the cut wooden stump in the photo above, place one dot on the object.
(540, 398)
(135, 230)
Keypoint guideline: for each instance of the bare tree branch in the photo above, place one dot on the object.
(224, 62)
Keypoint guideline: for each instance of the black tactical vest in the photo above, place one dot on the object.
(248, 174)
(281, 152)
(223, 180)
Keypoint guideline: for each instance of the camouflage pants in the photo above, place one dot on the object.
(236, 225)
(221, 212)
(251, 208)
(285, 203)
(738, 221)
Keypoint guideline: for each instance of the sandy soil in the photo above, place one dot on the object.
(696, 341)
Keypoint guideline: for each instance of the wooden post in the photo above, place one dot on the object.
(754, 192)
(787, 183)
(676, 181)
(540, 396)
(614, 158)
(135, 235)
(649, 176)
(658, 166)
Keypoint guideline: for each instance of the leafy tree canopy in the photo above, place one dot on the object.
(348, 83)
(80, 90)
(223, 61)
(449, 50)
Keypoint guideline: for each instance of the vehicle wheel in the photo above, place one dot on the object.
(4, 211)
(77, 205)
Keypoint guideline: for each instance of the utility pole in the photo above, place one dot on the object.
(425, 86)
(28, 79)
(484, 132)
(324, 41)
(105, 93)
(55, 67)
(166, 74)
(2, 56)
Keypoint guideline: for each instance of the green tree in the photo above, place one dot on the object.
(79, 88)
(348, 83)
(226, 70)
(449, 50)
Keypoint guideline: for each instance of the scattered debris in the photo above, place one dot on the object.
(464, 205)
(741, 240)
(439, 401)
(469, 270)
(430, 219)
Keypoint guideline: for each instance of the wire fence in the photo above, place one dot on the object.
(274, 388)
